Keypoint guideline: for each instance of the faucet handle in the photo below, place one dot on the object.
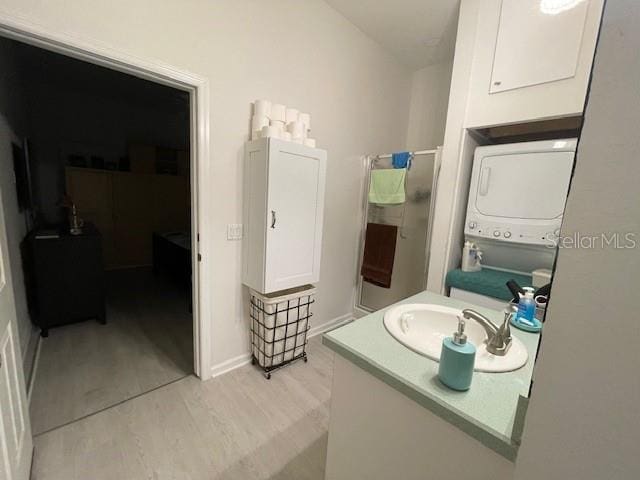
(509, 313)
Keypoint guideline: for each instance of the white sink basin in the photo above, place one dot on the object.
(422, 327)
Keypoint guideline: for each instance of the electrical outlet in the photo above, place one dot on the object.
(234, 231)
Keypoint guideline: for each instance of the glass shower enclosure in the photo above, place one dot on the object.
(413, 220)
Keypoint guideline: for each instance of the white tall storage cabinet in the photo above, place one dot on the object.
(283, 213)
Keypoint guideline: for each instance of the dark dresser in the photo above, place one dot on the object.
(64, 274)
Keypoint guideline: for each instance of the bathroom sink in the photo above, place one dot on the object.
(422, 327)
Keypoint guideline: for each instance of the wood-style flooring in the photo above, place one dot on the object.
(86, 367)
(236, 426)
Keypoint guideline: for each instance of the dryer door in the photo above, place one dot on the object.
(524, 186)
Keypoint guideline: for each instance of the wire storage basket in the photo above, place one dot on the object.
(279, 326)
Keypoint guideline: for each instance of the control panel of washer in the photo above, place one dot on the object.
(514, 232)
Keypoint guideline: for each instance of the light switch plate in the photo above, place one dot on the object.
(234, 231)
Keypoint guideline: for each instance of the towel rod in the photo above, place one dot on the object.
(419, 152)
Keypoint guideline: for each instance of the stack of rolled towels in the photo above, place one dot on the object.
(274, 120)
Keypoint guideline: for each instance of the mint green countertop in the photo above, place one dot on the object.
(486, 412)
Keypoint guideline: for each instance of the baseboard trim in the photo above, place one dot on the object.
(244, 359)
(29, 354)
(34, 369)
(330, 325)
(360, 312)
(229, 365)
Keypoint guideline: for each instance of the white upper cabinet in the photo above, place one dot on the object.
(535, 46)
(283, 214)
(532, 60)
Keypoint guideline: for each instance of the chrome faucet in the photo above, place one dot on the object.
(498, 337)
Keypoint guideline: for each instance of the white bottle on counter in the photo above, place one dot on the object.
(471, 257)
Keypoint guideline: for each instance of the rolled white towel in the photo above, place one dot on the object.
(306, 119)
(262, 108)
(296, 129)
(278, 112)
(270, 132)
(291, 115)
(310, 142)
(257, 122)
(278, 124)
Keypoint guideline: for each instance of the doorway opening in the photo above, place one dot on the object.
(107, 200)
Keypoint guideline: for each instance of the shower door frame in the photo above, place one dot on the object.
(359, 309)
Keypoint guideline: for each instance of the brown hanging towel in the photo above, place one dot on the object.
(379, 253)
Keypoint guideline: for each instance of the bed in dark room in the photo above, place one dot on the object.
(172, 257)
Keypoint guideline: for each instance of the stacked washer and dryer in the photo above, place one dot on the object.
(516, 202)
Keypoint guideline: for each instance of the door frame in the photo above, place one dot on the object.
(368, 162)
(198, 89)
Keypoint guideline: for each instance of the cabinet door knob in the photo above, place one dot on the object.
(273, 219)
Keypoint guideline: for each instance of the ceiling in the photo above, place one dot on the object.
(418, 32)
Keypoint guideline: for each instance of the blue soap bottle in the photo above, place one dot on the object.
(456, 360)
(526, 307)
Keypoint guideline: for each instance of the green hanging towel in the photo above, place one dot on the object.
(387, 186)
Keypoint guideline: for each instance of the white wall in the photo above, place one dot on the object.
(455, 149)
(583, 419)
(299, 53)
(13, 122)
(428, 108)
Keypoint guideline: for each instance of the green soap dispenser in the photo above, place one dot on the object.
(457, 359)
